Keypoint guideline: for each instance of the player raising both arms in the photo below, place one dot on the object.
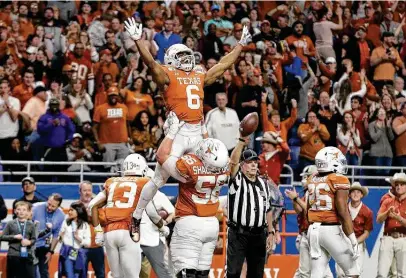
(182, 87)
(200, 177)
(113, 208)
(330, 233)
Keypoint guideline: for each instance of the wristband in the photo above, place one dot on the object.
(241, 140)
(51, 251)
(295, 199)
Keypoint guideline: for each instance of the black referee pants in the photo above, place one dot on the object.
(243, 245)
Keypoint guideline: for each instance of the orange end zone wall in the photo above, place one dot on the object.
(278, 266)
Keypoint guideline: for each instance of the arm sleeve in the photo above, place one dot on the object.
(43, 126)
(357, 138)
(374, 132)
(7, 233)
(176, 170)
(100, 196)
(324, 134)
(86, 240)
(304, 132)
(59, 224)
(267, 125)
(96, 116)
(289, 122)
(369, 226)
(342, 138)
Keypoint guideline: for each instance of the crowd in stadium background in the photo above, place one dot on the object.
(319, 73)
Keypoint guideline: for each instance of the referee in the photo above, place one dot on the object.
(249, 236)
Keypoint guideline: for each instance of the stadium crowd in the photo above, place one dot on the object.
(73, 87)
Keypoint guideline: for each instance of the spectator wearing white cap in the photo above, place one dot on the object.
(76, 152)
(362, 219)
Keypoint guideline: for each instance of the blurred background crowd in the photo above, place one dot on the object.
(319, 73)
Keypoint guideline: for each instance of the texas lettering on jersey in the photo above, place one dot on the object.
(184, 94)
(199, 194)
(122, 194)
(322, 190)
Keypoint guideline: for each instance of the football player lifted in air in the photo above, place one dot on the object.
(182, 86)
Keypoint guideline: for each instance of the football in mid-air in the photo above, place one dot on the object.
(249, 124)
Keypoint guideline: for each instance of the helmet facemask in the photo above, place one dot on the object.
(186, 60)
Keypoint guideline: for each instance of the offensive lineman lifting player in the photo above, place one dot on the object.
(182, 86)
(200, 177)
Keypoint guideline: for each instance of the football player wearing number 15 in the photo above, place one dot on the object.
(113, 207)
(200, 177)
(331, 232)
(182, 86)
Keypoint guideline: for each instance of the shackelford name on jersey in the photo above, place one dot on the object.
(189, 80)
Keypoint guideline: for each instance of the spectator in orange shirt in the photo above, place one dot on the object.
(137, 98)
(275, 123)
(303, 44)
(275, 151)
(111, 129)
(386, 60)
(101, 95)
(24, 91)
(106, 65)
(313, 136)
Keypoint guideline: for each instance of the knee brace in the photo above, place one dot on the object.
(202, 273)
(186, 273)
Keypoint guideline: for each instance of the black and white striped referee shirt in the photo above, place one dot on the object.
(248, 202)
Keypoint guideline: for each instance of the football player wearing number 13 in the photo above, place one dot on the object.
(182, 86)
(200, 177)
(113, 207)
(329, 217)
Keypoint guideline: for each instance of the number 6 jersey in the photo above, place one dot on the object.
(199, 194)
(322, 191)
(184, 94)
